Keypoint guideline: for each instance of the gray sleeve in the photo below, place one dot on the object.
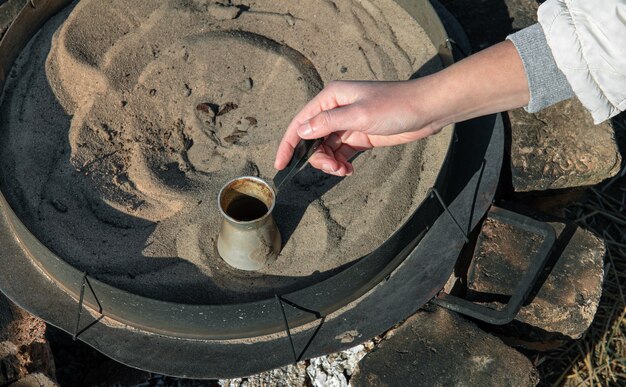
(547, 84)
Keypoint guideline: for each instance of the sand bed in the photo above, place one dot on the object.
(122, 120)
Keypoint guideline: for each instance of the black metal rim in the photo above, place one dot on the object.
(281, 330)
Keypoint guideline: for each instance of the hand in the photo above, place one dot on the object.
(355, 116)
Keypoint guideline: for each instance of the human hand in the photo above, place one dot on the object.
(355, 116)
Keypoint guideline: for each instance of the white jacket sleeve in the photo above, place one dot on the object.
(588, 41)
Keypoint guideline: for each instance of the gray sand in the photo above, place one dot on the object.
(121, 122)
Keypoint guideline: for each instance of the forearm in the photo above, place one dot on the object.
(490, 81)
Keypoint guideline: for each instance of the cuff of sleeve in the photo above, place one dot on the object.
(546, 83)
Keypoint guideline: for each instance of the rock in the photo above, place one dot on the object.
(34, 380)
(330, 370)
(23, 346)
(560, 147)
(436, 347)
(567, 301)
(291, 375)
(336, 368)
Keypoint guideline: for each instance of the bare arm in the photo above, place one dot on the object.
(355, 116)
(488, 82)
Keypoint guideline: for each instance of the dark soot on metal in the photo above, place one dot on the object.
(246, 208)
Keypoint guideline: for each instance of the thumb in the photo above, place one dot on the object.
(350, 117)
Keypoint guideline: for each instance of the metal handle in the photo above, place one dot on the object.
(301, 154)
(526, 285)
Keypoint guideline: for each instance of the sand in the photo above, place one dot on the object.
(122, 120)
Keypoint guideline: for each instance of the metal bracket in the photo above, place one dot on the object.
(448, 49)
(281, 300)
(525, 286)
(79, 312)
(434, 193)
(451, 44)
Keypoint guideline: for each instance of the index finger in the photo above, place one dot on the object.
(324, 100)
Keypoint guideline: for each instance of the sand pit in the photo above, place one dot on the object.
(121, 121)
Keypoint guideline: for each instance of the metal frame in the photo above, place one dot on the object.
(203, 341)
(523, 288)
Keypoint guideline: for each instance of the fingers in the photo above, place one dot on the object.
(334, 162)
(341, 157)
(345, 118)
(334, 95)
(325, 159)
(342, 149)
(285, 149)
(344, 154)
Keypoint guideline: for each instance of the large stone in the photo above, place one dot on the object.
(23, 346)
(436, 347)
(560, 147)
(565, 304)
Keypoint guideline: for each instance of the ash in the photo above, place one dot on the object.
(332, 370)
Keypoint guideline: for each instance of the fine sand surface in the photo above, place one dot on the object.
(122, 120)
